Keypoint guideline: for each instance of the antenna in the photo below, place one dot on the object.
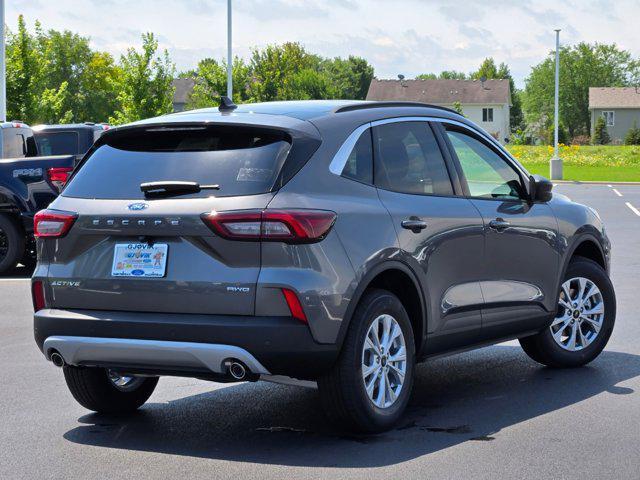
(226, 105)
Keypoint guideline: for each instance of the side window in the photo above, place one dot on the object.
(14, 146)
(359, 165)
(488, 174)
(409, 160)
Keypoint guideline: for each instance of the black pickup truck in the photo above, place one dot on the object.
(28, 183)
(68, 139)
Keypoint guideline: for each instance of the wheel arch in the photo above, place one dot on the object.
(587, 246)
(399, 279)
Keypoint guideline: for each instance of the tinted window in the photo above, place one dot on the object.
(57, 143)
(14, 145)
(359, 165)
(241, 161)
(408, 160)
(488, 174)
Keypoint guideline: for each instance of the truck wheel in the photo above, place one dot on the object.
(11, 243)
(369, 387)
(105, 391)
(584, 320)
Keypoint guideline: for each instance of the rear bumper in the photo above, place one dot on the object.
(188, 344)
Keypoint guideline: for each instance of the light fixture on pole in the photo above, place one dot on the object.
(229, 54)
(556, 161)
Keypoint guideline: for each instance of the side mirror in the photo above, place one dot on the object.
(540, 188)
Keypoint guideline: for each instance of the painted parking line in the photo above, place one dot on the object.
(15, 279)
(633, 209)
(617, 192)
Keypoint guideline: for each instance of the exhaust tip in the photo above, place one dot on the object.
(237, 370)
(57, 359)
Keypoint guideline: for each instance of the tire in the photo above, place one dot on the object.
(342, 390)
(12, 243)
(94, 390)
(544, 349)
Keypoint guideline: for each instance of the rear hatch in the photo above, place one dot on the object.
(127, 251)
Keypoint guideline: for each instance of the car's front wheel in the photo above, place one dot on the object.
(583, 322)
(370, 385)
(105, 391)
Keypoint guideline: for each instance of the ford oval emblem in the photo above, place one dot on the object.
(137, 206)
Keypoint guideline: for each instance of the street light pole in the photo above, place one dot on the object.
(3, 69)
(229, 54)
(556, 161)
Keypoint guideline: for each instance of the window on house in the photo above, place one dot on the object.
(487, 114)
(609, 118)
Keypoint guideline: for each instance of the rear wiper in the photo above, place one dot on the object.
(170, 188)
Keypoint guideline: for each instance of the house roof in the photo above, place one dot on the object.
(441, 92)
(614, 97)
(184, 87)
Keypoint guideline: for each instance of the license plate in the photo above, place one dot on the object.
(139, 260)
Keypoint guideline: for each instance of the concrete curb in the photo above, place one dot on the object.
(592, 182)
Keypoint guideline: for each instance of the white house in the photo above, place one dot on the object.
(487, 103)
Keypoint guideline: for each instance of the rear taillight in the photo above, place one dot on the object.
(37, 295)
(294, 305)
(58, 176)
(290, 226)
(53, 223)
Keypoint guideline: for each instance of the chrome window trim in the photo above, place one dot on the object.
(342, 155)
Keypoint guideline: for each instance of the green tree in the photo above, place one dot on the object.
(24, 74)
(98, 94)
(581, 66)
(600, 133)
(444, 75)
(211, 82)
(457, 106)
(145, 83)
(349, 78)
(633, 135)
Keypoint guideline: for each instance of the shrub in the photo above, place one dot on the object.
(600, 133)
(563, 135)
(633, 135)
(581, 140)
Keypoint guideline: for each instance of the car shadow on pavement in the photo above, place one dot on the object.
(465, 398)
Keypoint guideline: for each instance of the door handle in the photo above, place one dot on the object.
(414, 225)
(499, 224)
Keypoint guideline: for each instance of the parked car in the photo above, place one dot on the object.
(28, 183)
(68, 139)
(339, 242)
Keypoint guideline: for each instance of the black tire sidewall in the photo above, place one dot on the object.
(16, 241)
(558, 356)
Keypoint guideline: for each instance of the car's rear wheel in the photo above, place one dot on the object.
(370, 385)
(11, 243)
(106, 391)
(583, 322)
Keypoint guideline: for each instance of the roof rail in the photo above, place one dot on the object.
(378, 104)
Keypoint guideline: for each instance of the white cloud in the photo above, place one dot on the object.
(399, 36)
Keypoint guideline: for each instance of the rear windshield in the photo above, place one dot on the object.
(57, 143)
(242, 161)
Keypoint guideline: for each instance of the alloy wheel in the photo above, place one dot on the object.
(580, 314)
(384, 361)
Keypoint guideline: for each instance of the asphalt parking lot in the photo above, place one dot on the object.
(491, 413)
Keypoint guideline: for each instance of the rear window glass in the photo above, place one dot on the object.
(57, 143)
(242, 161)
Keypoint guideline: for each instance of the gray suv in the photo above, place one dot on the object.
(336, 242)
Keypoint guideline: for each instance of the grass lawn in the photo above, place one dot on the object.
(604, 163)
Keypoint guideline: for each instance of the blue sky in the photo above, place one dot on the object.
(402, 36)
